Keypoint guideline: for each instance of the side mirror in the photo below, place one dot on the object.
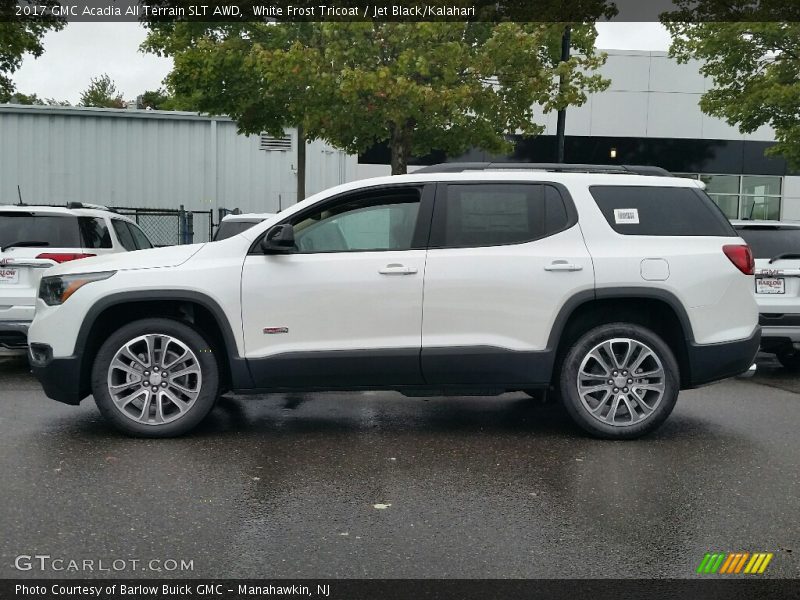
(279, 240)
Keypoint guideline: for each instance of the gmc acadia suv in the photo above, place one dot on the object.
(617, 289)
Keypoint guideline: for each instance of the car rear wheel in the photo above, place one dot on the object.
(155, 378)
(619, 381)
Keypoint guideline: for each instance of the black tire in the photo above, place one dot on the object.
(643, 422)
(790, 359)
(206, 384)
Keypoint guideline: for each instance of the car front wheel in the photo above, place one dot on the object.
(155, 378)
(619, 381)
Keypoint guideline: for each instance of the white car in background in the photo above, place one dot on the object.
(35, 238)
(234, 224)
(776, 247)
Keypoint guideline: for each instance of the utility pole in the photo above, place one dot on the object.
(562, 114)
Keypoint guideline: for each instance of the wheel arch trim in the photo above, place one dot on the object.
(238, 366)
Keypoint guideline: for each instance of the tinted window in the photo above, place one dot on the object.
(94, 232)
(229, 229)
(124, 234)
(768, 242)
(652, 210)
(381, 220)
(55, 230)
(497, 214)
(139, 238)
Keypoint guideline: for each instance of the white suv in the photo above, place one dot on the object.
(616, 289)
(776, 247)
(34, 238)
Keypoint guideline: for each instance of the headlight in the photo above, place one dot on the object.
(57, 289)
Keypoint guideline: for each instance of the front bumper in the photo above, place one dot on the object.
(14, 334)
(60, 377)
(712, 362)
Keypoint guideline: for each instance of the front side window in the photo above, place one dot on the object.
(372, 221)
(473, 215)
(140, 240)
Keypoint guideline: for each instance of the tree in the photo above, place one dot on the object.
(20, 36)
(102, 92)
(416, 86)
(161, 99)
(754, 67)
(33, 99)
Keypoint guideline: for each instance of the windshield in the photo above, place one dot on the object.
(57, 231)
(228, 229)
(769, 242)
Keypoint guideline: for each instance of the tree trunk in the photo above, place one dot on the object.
(400, 146)
(561, 123)
(301, 163)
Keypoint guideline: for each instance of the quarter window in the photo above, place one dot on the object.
(473, 215)
(660, 210)
(372, 221)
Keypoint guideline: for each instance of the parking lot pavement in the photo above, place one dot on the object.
(378, 485)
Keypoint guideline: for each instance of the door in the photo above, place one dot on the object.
(344, 309)
(503, 259)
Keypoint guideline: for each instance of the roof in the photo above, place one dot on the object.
(115, 113)
(62, 211)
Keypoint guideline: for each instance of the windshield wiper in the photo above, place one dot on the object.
(27, 244)
(784, 255)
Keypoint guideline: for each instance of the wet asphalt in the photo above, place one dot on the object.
(381, 486)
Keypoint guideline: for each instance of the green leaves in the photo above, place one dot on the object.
(102, 92)
(417, 86)
(20, 35)
(755, 70)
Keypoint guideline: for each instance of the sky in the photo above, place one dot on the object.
(84, 50)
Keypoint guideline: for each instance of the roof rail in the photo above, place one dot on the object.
(457, 167)
(72, 205)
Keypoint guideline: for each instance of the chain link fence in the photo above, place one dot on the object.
(170, 227)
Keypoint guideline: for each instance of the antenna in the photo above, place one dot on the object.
(19, 194)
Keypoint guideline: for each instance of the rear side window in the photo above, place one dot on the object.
(124, 234)
(473, 215)
(94, 232)
(770, 242)
(54, 231)
(657, 210)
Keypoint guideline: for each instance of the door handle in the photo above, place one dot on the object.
(397, 269)
(563, 265)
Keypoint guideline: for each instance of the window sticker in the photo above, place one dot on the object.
(626, 216)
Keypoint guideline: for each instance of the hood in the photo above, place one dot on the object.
(170, 256)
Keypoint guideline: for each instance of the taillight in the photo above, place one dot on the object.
(741, 256)
(62, 257)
